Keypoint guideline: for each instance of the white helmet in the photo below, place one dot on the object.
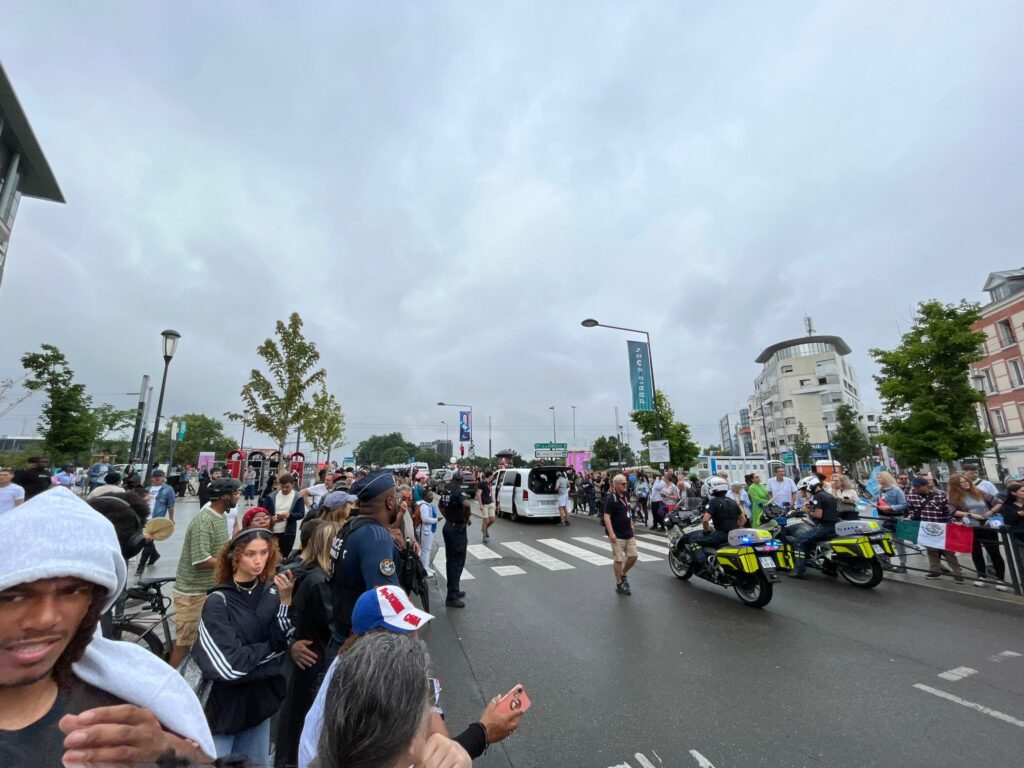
(808, 483)
(717, 485)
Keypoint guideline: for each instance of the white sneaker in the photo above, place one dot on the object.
(980, 583)
(430, 572)
(1002, 588)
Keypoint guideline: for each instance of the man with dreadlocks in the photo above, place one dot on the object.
(67, 694)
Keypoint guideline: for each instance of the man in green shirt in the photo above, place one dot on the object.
(759, 496)
(204, 538)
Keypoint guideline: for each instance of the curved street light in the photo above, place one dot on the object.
(170, 346)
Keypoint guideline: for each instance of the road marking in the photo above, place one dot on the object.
(1004, 655)
(641, 556)
(643, 761)
(651, 537)
(583, 554)
(440, 567)
(482, 552)
(702, 761)
(542, 559)
(957, 674)
(971, 705)
(507, 570)
(662, 550)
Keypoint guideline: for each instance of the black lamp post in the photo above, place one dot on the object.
(592, 323)
(170, 346)
(472, 450)
(828, 439)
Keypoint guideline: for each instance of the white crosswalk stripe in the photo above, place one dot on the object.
(440, 561)
(643, 557)
(507, 570)
(651, 537)
(570, 549)
(661, 550)
(542, 559)
(482, 552)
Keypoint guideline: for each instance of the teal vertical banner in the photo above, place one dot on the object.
(640, 375)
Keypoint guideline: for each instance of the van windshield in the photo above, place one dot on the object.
(543, 480)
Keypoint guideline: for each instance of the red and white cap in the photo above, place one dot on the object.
(389, 608)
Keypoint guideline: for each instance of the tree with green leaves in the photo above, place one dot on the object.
(276, 405)
(713, 450)
(851, 445)
(928, 402)
(606, 452)
(202, 433)
(324, 425)
(682, 450)
(67, 420)
(802, 445)
(391, 448)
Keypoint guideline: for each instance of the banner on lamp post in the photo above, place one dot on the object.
(640, 375)
(465, 426)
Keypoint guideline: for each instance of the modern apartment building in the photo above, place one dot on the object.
(1001, 373)
(804, 381)
(442, 447)
(24, 171)
(735, 434)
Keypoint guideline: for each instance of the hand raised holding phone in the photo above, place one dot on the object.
(503, 713)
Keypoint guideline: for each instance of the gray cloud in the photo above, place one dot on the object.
(444, 192)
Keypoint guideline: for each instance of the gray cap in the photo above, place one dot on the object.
(336, 499)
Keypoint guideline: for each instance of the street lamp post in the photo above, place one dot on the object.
(554, 432)
(573, 422)
(472, 449)
(170, 346)
(979, 384)
(592, 323)
(828, 440)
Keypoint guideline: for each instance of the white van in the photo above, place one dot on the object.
(527, 492)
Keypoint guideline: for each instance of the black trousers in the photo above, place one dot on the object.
(303, 685)
(989, 539)
(149, 554)
(657, 518)
(285, 541)
(455, 542)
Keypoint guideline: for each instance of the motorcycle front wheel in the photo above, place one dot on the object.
(754, 590)
(681, 565)
(862, 572)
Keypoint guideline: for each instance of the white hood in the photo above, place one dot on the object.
(57, 534)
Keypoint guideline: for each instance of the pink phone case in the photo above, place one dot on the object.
(515, 700)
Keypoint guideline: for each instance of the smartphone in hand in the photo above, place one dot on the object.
(515, 700)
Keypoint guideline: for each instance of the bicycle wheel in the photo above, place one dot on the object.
(140, 634)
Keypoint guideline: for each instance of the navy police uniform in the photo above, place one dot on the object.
(363, 556)
(456, 518)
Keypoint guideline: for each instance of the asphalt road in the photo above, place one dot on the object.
(683, 674)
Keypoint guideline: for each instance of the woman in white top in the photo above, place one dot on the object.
(427, 529)
(738, 494)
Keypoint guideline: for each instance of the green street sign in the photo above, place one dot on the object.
(551, 446)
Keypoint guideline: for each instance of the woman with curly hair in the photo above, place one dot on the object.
(241, 644)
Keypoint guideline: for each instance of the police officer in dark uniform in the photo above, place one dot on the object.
(724, 513)
(456, 510)
(364, 555)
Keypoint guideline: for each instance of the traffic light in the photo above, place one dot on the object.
(462, 450)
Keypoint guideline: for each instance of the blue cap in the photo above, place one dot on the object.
(387, 607)
(373, 485)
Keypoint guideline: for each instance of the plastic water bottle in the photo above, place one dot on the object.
(996, 521)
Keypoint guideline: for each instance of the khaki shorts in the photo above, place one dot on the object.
(623, 548)
(486, 511)
(188, 610)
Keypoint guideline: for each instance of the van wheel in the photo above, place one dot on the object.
(515, 513)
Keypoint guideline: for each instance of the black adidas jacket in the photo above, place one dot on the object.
(240, 646)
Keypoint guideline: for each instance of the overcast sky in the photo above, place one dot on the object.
(445, 190)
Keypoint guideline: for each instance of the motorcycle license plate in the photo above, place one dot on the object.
(766, 562)
(674, 534)
(879, 549)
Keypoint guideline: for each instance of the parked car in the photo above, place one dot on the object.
(524, 492)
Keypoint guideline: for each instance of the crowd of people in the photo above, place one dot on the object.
(297, 644)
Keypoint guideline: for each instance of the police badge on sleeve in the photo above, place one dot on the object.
(387, 567)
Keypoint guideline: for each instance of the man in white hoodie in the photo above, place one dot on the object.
(68, 695)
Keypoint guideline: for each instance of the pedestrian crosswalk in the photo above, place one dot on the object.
(582, 550)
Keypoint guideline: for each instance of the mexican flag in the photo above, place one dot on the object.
(955, 538)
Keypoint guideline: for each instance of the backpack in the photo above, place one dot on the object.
(417, 519)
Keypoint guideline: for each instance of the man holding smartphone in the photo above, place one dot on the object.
(618, 523)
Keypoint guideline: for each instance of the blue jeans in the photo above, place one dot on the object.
(803, 543)
(253, 742)
(455, 542)
(250, 492)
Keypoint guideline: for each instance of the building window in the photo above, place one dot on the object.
(1006, 336)
(871, 417)
(786, 369)
(998, 422)
(804, 382)
(988, 383)
(790, 421)
(787, 403)
(823, 380)
(1016, 373)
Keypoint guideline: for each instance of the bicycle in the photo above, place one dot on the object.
(140, 626)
